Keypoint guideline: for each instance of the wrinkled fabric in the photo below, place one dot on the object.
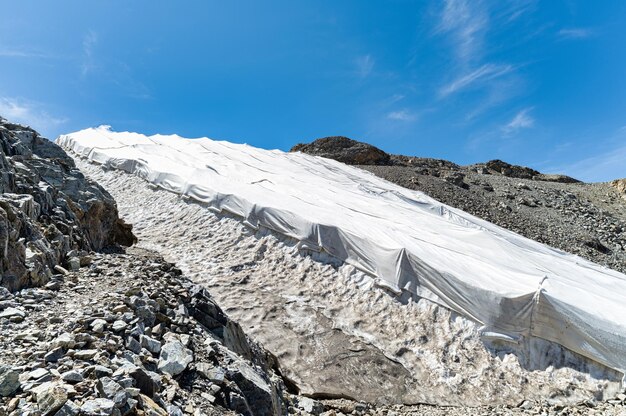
(407, 241)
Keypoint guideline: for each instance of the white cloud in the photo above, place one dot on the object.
(575, 33)
(89, 42)
(484, 73)
(365, 65)
(466, 22)
(25, 112)
(402, 115)
(522, 120)
(19, 53)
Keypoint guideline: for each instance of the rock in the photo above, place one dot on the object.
(47, 209)
(174, 358)
(50, 396)
(455, 178)
(310, 406)
(133, 345)
(72, 377)
(620, 185)
(85, 355)
(54, 355)
(150, 344)
(102, 371)
(596, 244)
(68, 409)
(345, 150)
(11, 312)
(98, 407)
(9, 381)
(65, 340)
(512, 171)
(211, 373)
(257, 391)
(61, 270)
(119, 325)
(147, 384)
(38, 373)
(74, 264)
(555, 178)
(98, 325)
(150, 407)
(110, 389)
(173, 410)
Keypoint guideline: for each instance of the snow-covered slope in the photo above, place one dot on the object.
(413, 245)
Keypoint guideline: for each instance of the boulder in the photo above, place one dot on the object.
(174, 358)
(50, 396)
(9, 381)
(98, 407)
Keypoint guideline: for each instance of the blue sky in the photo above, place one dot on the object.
(541, 84)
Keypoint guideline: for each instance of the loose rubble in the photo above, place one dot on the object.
(177, 353)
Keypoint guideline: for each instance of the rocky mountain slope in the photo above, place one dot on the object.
(585, 219)
(90, 328)
(49, 212)
(333, 332)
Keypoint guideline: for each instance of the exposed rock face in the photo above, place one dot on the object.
(345, 150)
(49, 211)
(352, 152)
(620, 185)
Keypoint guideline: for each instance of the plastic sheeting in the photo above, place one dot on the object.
(409, 242)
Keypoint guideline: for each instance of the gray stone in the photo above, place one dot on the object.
(85, 354)
(50, 396)
(110, 389)
(9, 381)
(173, 410)
(133, 345)
(150, 344)
(310, 406)
(72, 377)
(102, 371)
(54, 285)
(174, 358)
(54, 355)
(98, 325)
(210, 372)
(12, 312)
(119, 325)
(98, 407)
(38, 373)
(145, 381)
(68, 409)
(65, 340)
(74, 263)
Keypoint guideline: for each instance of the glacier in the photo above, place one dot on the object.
(412, 245)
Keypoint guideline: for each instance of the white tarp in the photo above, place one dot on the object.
(408, 241)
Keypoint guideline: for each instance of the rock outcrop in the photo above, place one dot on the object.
(49, 212)
(620, 185)
(352, 152)
(345, 150)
